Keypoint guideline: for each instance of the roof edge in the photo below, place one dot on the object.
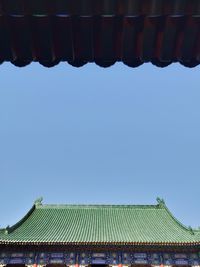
(189, 229)
(37, 203)
(10, 229)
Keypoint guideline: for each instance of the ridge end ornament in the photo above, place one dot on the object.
(160, 201)
(38, 201)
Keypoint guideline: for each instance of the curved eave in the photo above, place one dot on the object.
(105, 64)
(103, 38)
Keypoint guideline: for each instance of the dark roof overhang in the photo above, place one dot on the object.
(100, 31)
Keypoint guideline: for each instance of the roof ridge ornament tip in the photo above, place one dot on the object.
(38, 201)
(160, 201)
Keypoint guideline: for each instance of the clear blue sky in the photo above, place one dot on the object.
(93, 135)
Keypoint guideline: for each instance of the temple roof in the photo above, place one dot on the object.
(100, 31)
(99, 224)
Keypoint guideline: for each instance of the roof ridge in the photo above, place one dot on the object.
(97, 206)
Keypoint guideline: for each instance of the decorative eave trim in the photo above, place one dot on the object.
(179, 244)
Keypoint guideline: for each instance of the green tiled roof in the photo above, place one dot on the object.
(100, 224)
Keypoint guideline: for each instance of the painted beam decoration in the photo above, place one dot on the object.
(109, 258)
(17, 258)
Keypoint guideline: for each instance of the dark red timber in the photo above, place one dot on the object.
(100, 31)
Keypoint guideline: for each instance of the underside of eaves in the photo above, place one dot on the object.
(101, 31)
(99, 224)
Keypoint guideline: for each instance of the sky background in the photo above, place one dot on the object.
(92, 135)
